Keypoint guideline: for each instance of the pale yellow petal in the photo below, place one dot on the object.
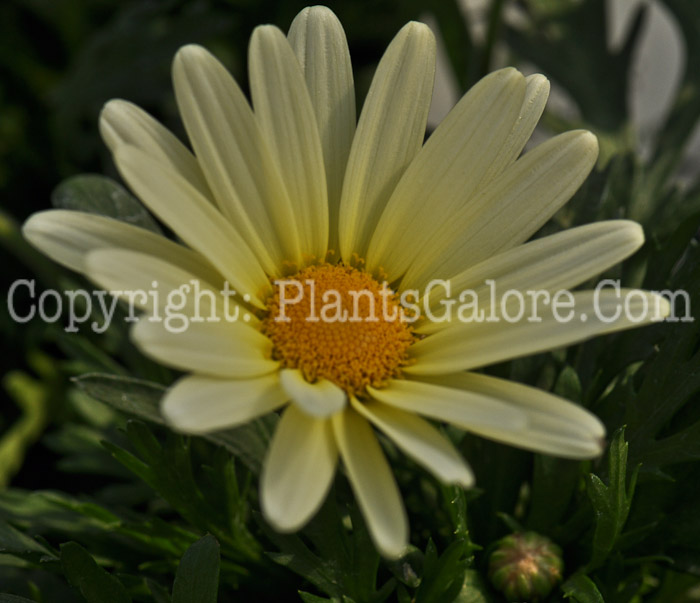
(461, 408)
(203, 404)
(286, 117)
(467, 150)
(546, 437)
(319, 399)
(557, 262)
(219, 349)
(298, 470)
(236, 161)
(68, 236)
(389, 134)
(419, 440)
(319, 43)
(536, 95)
(554, 425)
(372, 482)
(122, 122)
(192, 218)
(462, 346)
(150, 282)
(510, 209)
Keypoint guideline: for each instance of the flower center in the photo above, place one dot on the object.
(335, 322)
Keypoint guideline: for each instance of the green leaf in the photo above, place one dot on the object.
(129, 395)
(81, 350)
(474, 590)
(95, 194)
(342, 564)
(443, 577)
(455, 501)
(93, 582)
(141, 398)
(554, 482)
(582, 589)
(40, 510)
(611, 503)
(197, 576)
(309, 598)
(168, 468)
(160, 595)
(402, 595)
(248, 442)
(17, 543)
(669, 384)
(297, 557)
(360, 554)
(13, 599)
(568, 384)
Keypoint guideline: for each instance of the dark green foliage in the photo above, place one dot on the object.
(107, 505)
(94, 583)
(580, 588)
(197, 576)
(611, 503)
(342, 565)
(95, 194)
(566, 43)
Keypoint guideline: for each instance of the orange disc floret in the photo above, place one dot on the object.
(335, 322)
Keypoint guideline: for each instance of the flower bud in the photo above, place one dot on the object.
(525, 566)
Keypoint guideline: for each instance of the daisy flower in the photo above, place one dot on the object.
(293, 198)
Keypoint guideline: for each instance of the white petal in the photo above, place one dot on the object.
(319, 43)
(298, 471)
(466, 151)
(204, 404)
(122, 122)
(237, 163)
(199, 224)
(536, 95)
(283, 110)
(546, 437)
(463, 346)
(372, 482)
(419, 440)
(389, 134)
(218, 349)
(464, 409)
(132, 276)
(510, 209)
(319, 399)
(554, 425)
(557, 262)
(68, 236)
